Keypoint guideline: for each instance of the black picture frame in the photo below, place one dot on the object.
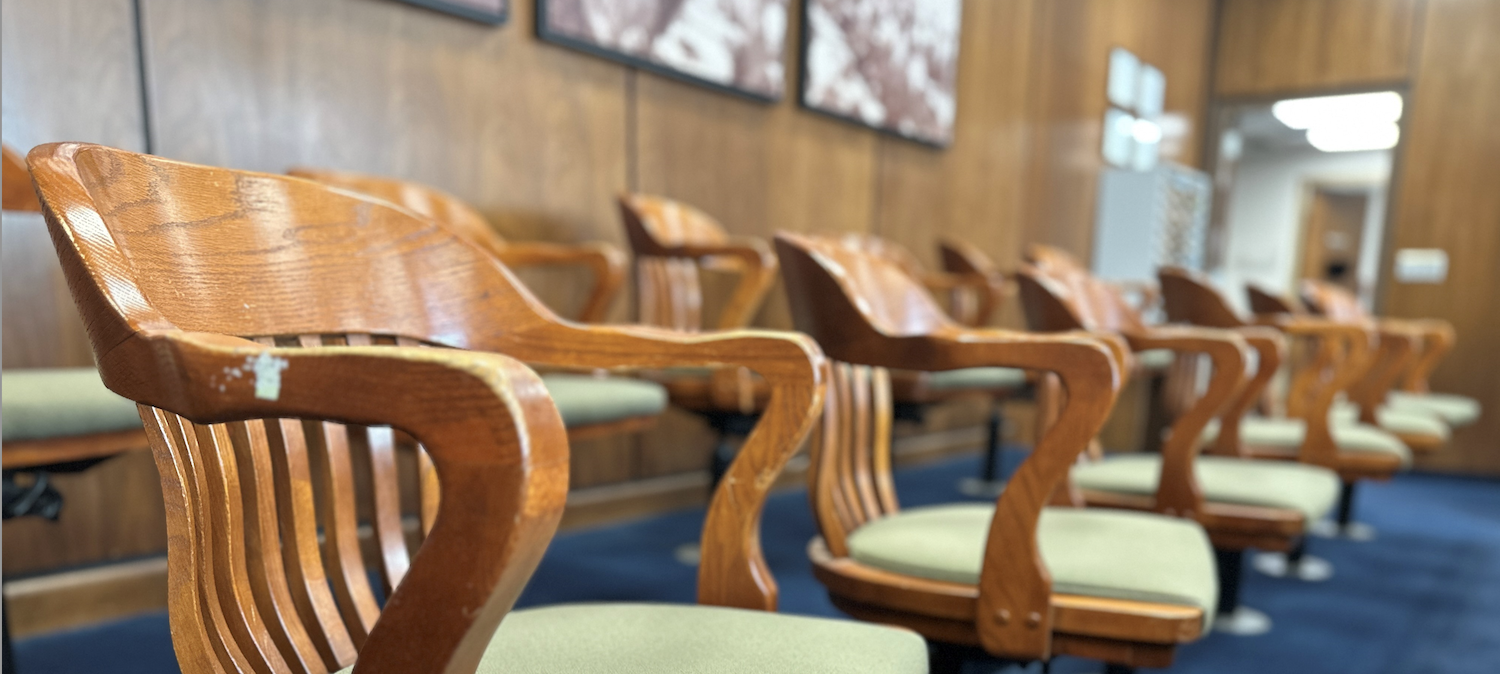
(592, 49)
(804, 43)
(496, 18)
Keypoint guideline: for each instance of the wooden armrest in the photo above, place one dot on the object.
(1398, 345)
(1270, 350)
(495, 437)
(1015, 592)
(1345, 351)
(1177, 492)
(752, 259)
(605, 261)
(1438, 337)
(733, 571)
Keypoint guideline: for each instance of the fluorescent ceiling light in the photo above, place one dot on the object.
(1359, 109)
(1351, 138)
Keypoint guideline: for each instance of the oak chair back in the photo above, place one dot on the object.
(974, 303)
(870, 315)
(1263, 301)
(605, 261)
(269, 327)
(673, 242)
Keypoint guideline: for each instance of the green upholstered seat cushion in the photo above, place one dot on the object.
(1311, 490)
(1456, 410)
(686, 639)
(585, 399)
(1289, 433)
(1396, 420)
(976, 378)
(1156, 359)
(54, 403)
(1093, 552)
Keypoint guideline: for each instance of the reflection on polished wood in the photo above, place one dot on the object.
(871, 316)
(341, 294)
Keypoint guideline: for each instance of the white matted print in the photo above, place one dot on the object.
(733, 45)
(888, 64)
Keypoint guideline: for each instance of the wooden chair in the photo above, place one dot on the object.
(1401, 388)
(1341, 355)
(591, 406)
(1241, 503)
(272, 331)
(675, 247)
(972, 299)
(1397, 347)
(1022, 581)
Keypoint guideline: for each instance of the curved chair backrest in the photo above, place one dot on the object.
(869, 314)
(669, 286)
(1331, 300)
(1189, 297)
(1263, 301)
(19, 194)
(174, 265)
(414, 197)
(1061, 294)
(964, 259)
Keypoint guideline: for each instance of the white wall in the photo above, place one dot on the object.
(1266, 210)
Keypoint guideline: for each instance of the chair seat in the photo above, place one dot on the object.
(1155, 360)
(1456, 410)
(42, 404)
(1400, 421)
(688, 639)
(982, 378)
(1093, 552)
(1310, 490)
(1289, 433)
(584, 400)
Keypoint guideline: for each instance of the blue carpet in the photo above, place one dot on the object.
(1422, 598)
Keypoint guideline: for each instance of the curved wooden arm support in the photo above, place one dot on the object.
(1397, 349)
(756, 266)
(1014, 615)
(1177, 492)
(498, 443)
(605, 261)
(1438, 337)
(733, 570)
(988, 282)
(1270, 350)
(1344, 355)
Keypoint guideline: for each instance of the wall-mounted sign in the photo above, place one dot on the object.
(1421, 265)
(891, 65)
(732, 46)
(487, 11)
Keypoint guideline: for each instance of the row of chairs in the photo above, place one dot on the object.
(275, 331)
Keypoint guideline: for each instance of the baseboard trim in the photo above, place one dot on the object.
(86, 596)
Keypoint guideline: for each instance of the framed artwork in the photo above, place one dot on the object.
(734, 46)
(891, 65)
(488, 11)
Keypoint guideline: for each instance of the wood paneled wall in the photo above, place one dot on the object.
(1273, 46)
(1447, 197)
(540, 138)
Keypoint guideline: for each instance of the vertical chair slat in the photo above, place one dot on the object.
(268, 579)
(864, 480)
(885, 485)
(427, 479)
(296, 511)
(231, 572)
(848, 492)
(199, 633)
(385, 497)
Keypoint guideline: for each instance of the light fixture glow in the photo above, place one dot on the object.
(1322, 111)
(1352, 138)
(1146, 131)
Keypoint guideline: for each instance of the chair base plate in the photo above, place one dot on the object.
(1243, 622)
(1309, 569)
(1354, 531)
